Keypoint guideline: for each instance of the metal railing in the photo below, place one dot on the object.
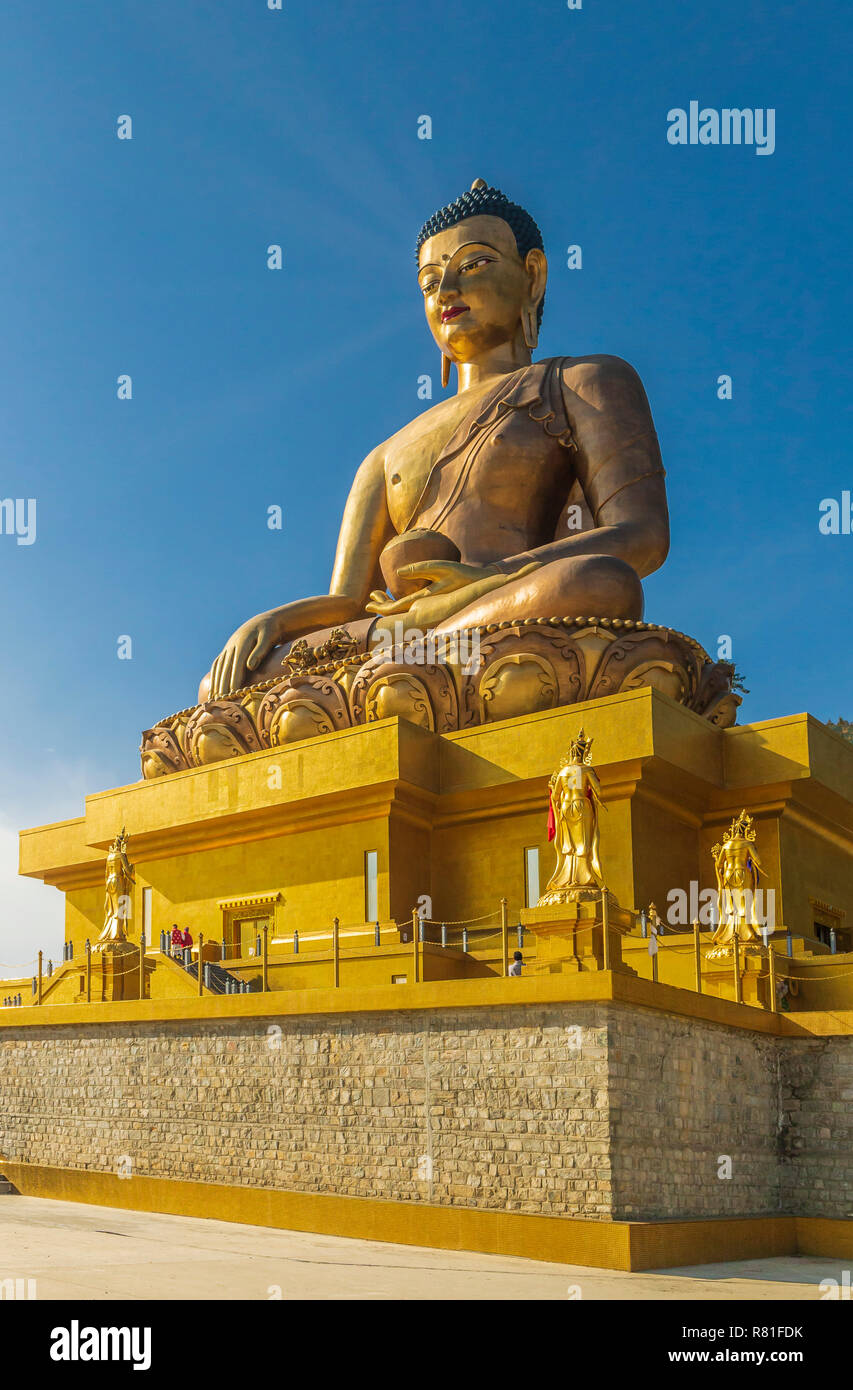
(491, 933)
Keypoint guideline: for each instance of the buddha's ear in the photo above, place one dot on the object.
(536, 266)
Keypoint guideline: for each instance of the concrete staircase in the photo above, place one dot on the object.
(6, 1188)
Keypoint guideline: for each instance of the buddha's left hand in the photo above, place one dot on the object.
(446, 576)
(451, 587)
(443, 576)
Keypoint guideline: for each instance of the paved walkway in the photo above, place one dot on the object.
(82, 1252)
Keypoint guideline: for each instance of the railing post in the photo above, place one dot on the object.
(789, 943)
(377, 939)
(520, 937)
(605, 929)
(465, 939)
(833, 943)
(222, 949)
(444, 933)
(38, 1000)
(736, 954)
(336, 952)
(266, 975)
(697, 957)
(772, 964)
(88, 971)
(142, 965)
(200, 966)
(295, 941)
(504, 937)
(415, 961)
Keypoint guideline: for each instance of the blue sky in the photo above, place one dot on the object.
(253, 387)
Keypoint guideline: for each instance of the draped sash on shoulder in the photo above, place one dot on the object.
(536, 388)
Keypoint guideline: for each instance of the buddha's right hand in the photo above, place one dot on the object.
(243, 653)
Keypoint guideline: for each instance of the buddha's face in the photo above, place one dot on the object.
(475, 285)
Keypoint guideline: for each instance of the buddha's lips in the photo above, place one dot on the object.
(448, 314)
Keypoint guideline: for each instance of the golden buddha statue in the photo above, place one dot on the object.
(738, 870)
(536, 489)
(119, 880)
(574, 801)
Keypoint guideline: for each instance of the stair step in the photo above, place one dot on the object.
(6, 1188)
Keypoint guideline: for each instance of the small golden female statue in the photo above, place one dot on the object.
(738, 869)
(575, 798)
(119, 881)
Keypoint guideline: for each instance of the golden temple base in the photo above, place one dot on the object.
(284, 835)
(623, 1245)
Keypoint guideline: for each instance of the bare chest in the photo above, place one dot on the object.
(509, 453)
(413, 452)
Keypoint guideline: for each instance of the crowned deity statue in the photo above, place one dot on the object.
(574, 803)
(738, 870)
(535, 489)
(119, 882)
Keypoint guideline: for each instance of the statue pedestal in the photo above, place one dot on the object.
(570, 936)
(115, 973)
(718, 977)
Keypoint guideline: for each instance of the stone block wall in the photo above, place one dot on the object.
(694, 1118)
(816, 1136)
(604, 1111)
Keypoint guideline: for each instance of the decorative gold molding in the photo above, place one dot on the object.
(837, 913)
(254, 900)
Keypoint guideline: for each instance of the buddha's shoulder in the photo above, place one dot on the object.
(601, 381)
(597, 367)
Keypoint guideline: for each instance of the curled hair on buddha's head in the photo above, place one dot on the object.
(483, 201)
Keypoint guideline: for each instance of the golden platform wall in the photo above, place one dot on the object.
(451, 815)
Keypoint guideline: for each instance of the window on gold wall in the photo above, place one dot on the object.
(371, 885)
(531, 876)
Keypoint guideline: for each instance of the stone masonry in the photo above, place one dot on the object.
(604, 1111)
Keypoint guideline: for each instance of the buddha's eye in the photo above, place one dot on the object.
(428, 287)
(473, 265)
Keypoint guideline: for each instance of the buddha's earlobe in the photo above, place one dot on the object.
(529, 327)
(445, 371)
